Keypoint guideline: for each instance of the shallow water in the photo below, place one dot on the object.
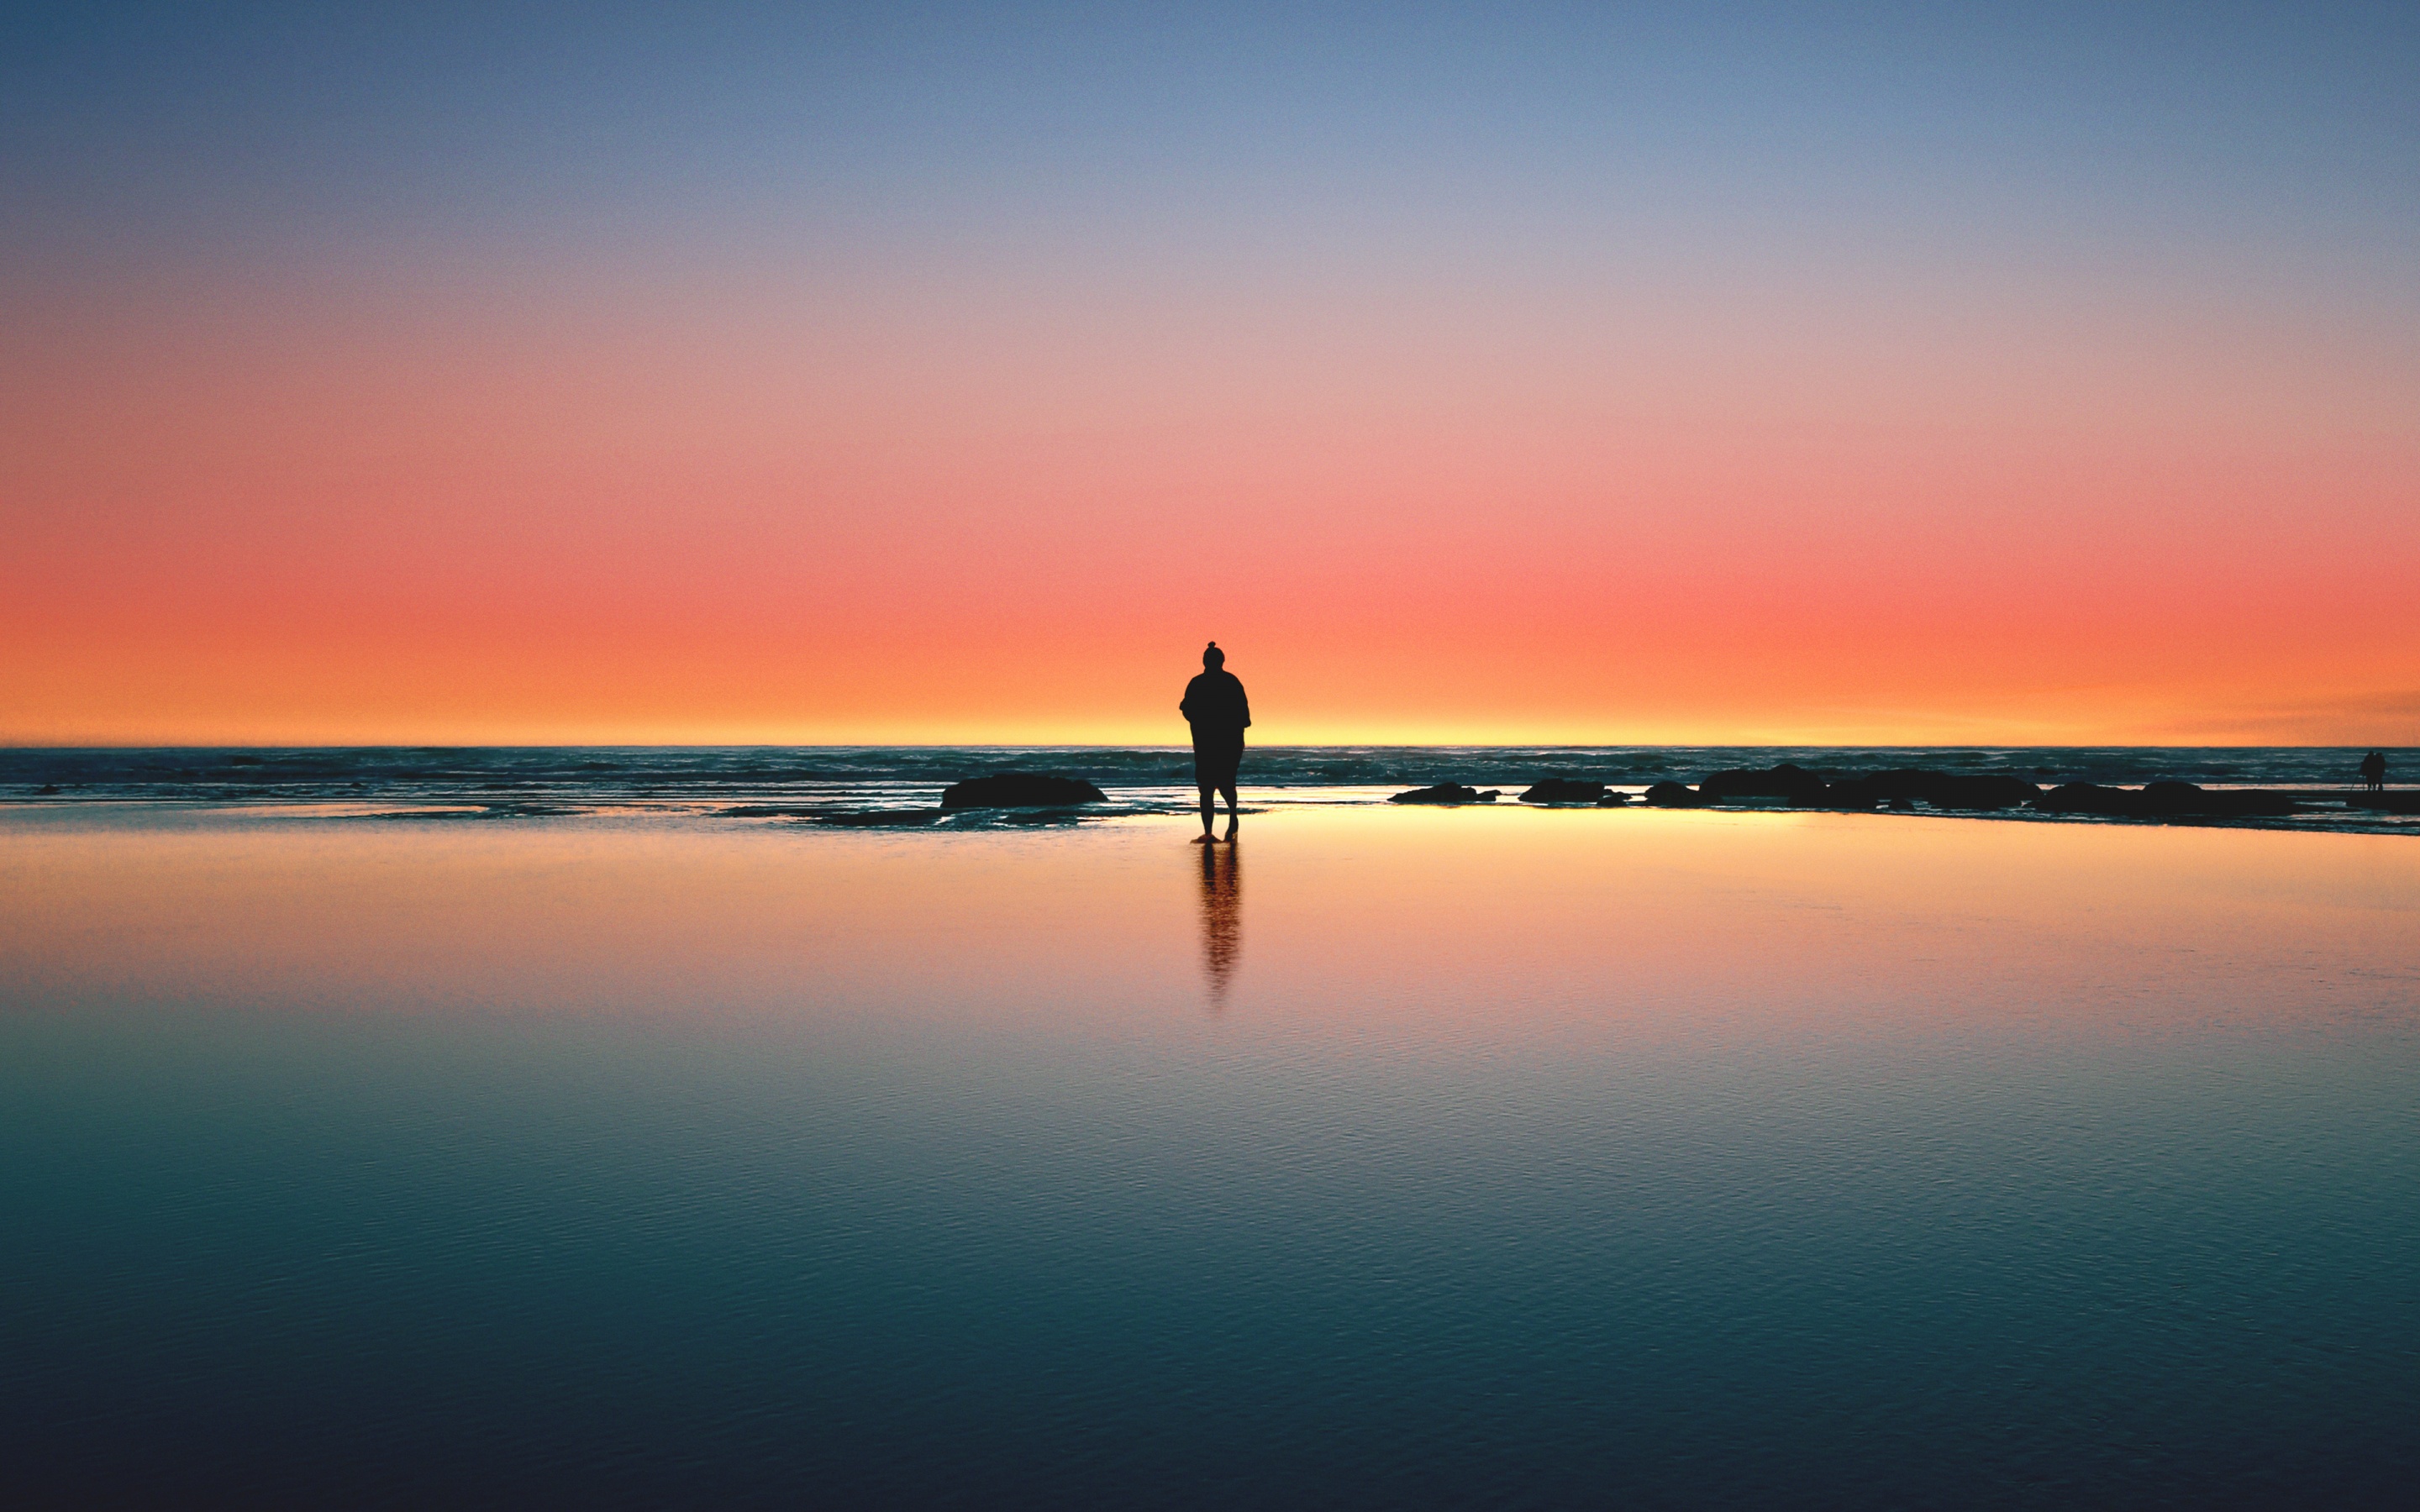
(1472, 1157)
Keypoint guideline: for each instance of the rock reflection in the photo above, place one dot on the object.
(1222, 907)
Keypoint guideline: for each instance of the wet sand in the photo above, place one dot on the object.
(1485, 1154)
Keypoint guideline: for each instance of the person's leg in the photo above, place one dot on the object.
(1209, 809)
(1234, 759)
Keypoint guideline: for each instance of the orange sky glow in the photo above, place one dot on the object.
(1873, 465)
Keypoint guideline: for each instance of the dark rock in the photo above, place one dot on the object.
(2089, 797)
(1941, 790)
(1788, 780)
(1614, 800)
(1446, 792)
(1020, 790)
(2262, 801)
(46, 790)
(2190, 800)
(2165, 800)
(1995, 790)
(1669, 795)
(1563, 790)
(2386, 802)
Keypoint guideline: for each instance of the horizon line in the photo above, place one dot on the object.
(1181, 747)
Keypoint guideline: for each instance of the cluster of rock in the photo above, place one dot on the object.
(1792, 784)
(1798, 786)
(1446, 793)
(1571, 790)
(1972, 792)
(2163, 800)
(1554, 789)
(1020, 790)
(1902, 788)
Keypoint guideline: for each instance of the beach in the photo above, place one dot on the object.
(1480, 1155)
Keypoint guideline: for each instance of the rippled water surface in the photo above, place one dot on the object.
(1476, 1157)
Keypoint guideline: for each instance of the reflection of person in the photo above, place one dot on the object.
(1222, 909)
(1219, 714)
(2373, 771)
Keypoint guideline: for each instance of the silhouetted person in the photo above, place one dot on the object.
(1219, 714)
(1222, 910)
(2373, 771)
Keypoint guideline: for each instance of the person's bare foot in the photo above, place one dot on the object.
(1206, 837)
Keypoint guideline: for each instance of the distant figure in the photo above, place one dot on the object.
(1219, 714)
(2373, 771)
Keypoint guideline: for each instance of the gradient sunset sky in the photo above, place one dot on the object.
(1969, 374)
